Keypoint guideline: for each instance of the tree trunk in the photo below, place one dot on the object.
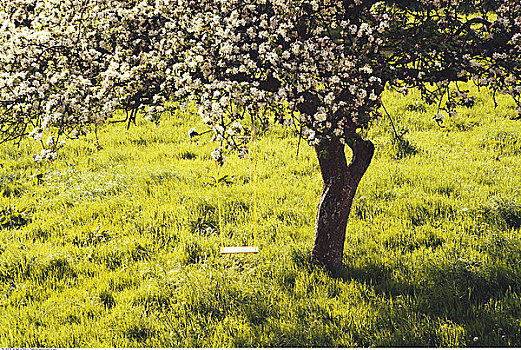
(340, 183)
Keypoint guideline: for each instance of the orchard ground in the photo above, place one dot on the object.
(120, 247)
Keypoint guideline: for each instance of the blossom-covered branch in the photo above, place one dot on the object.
(320, 65)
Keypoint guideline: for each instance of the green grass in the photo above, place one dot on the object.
(120, 247)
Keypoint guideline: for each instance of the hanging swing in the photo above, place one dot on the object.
(253, 180)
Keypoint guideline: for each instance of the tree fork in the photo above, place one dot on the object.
(340, 183)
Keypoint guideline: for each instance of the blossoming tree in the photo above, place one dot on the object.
(65, 65)
(326, 62)
(317, 65)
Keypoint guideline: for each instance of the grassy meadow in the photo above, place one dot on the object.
(119, 247)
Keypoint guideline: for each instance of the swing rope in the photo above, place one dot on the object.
(253, 180)
(219, 208)
(254, 166)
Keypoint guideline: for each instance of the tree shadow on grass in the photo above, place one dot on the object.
(452, 301)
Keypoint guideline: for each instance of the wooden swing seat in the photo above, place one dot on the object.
(239, 250)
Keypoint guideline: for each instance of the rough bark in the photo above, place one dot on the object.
(340, 183)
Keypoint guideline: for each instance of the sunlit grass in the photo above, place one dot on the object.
(121, 246)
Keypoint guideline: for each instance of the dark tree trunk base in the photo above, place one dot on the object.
(340, 183)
